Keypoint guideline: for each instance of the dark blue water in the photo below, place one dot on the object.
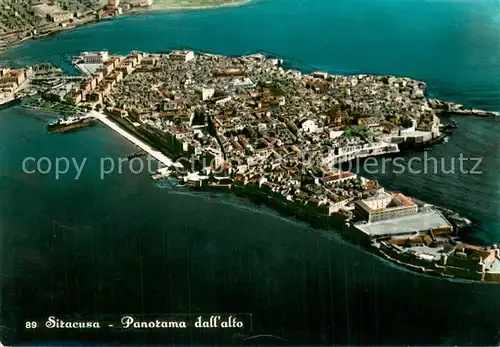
(121, 245)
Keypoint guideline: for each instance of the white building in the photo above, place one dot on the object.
(223, 100)
(94, 57)
(184, 56)
(309, 126)
(207, 93)
(243, 83)
(356, 150)
(335, 134)
(61, 16)
(407, 131)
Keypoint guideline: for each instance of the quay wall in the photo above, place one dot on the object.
(408, 258)
(307, 213)
(133, 139)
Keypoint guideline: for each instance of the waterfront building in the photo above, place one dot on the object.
(409, 225)
(6, 95)
(385, 206)
(13, 76)
(184, 56)
(411, 136)
(8, 87)
(58, 17)
(94, 57)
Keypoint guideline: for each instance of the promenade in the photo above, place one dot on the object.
(142, 145)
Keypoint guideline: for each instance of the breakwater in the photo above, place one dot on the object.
(162, 158)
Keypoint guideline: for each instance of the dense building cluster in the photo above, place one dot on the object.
(247, 121)
(249, 116)
(258, 113)
(25, 19)
(285, 132)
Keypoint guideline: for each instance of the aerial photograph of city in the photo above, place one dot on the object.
(249, 172)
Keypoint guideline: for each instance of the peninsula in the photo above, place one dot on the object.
(250, 126)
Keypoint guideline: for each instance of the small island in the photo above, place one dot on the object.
(251, 126)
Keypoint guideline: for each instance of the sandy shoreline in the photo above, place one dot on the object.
(167, 8)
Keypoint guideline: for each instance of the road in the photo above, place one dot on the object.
(142, 145)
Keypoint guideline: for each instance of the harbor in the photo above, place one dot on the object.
(162, 158)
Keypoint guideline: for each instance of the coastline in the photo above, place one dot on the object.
(160, 8)
(335, 223)
(152, 141)
(158, 155)
(153, 9)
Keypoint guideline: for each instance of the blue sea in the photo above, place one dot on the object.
(123, 245)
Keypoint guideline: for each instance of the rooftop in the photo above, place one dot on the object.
(417, 222)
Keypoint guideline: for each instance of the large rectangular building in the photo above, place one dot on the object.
(406, 225)
(385, 206)
(58, 17)
(13, 76)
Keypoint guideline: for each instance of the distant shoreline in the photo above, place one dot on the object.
(154, 8)
(166, 8)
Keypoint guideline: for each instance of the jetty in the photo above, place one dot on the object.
(162, 158)
(452, 108)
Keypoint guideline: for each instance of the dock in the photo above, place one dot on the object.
(142, 145)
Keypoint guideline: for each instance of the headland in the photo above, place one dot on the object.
(249, 126)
